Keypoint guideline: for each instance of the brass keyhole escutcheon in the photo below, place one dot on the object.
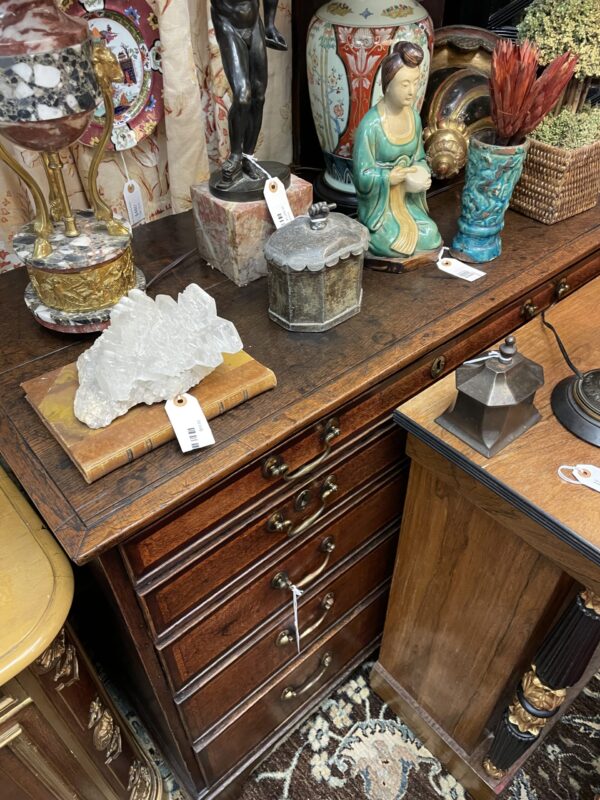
(437, 367)
(302, 500)
(562, 288)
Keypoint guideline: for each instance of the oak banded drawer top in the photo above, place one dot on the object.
(319, 609)
(227, 624)
(321, 665)
(224, 556)
(271, 480)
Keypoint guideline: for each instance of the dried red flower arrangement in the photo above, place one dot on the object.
(519, 98)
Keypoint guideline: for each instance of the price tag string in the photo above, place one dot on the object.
(296, 593)
(583, 474)
(258, 165)
(132, 194)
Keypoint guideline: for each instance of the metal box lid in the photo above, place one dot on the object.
(316, 240)
(503, 378)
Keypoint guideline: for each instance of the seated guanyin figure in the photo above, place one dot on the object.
(390, 172)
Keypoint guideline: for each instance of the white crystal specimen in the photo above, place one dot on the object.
(152, 351)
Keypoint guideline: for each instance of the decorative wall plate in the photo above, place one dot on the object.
(130, 29)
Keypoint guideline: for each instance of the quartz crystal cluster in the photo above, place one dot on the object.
(152, 351)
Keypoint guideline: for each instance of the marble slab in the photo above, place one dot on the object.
(37, 27)
(94, 245)
(231, 236)
(41, 87)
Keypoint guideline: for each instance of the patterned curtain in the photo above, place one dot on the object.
(187, 144)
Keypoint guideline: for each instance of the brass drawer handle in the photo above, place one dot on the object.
(277, 523)
(282, 580)
(291, 692)
(275, 466)
(562, 288)
(529, 309)
(288, 636)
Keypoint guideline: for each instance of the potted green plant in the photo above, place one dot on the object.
(561, 174)
(557, 26)
(520, 98)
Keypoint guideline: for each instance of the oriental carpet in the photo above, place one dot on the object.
(355, 748)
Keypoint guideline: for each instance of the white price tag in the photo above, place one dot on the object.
(277, 202)
(586, 474)
(189, 423)
(133, 202)
(452, 266)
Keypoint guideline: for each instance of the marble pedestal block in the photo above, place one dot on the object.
(231, 236)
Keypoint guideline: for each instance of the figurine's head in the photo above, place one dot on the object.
(400, 73)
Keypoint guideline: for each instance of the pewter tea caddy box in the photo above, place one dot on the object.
(315, 267)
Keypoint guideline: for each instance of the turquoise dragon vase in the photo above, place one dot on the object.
(491, 175)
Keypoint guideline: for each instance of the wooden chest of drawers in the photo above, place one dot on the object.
(196, 553)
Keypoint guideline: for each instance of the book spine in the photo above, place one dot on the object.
(120, 458)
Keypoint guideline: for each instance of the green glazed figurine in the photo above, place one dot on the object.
(390, 172)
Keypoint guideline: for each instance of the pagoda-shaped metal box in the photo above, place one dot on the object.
(315, 267)
(494, 405)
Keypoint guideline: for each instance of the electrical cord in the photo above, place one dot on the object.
(175, 263)
(561, 345)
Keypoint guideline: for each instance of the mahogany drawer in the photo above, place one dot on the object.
(216, 568)
(236, 617)
(162, 551)
(298, 686)
(277, 647)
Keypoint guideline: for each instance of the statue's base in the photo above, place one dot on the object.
(76, 322)
(345, 202)
(231, 236)
(396, 265)
(246, 189)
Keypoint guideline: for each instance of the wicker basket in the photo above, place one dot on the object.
(557, 183)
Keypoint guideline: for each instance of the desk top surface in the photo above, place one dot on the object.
(403, 318)
(524, 472)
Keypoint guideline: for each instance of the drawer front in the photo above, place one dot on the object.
(67, 680)
(161, 552)
(236, 618)
(299, 686)
(277, 647)
(274, 531)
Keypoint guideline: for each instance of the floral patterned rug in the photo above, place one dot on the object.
(355, 748)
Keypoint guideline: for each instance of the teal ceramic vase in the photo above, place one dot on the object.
(491, 175)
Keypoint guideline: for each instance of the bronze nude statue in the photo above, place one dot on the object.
(243, 40)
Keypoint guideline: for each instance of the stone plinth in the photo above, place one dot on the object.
(231, 236)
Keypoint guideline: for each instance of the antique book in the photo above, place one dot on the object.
(143, 428)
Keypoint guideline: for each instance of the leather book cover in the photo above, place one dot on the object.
(97, 452)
